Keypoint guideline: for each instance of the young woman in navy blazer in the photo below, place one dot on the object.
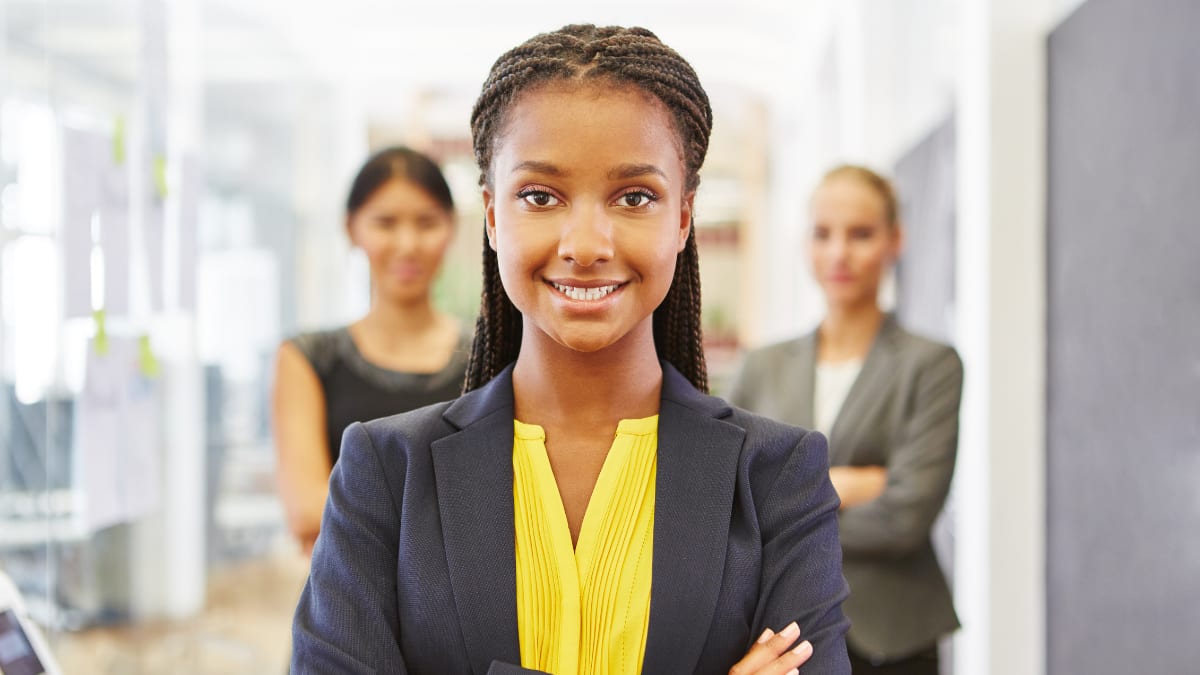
(589, 141)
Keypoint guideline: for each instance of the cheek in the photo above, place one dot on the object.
(511, 260)
(659, 262)
(374, 244)
(435, 242)
(873, 257)
(816, 254)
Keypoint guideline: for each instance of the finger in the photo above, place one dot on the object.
(769, 647)
(789, 662)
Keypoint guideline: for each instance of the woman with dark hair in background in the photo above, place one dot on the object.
(888, 401)
(585, 507)
(403, 354)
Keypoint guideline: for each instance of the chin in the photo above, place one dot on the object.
(584, 341)
(584, 345)
(843, 297)
(407, 292)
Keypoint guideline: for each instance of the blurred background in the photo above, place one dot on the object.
(1047, 154)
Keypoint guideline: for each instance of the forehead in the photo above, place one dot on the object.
(843, 195)
(601, 121)
(400, 192)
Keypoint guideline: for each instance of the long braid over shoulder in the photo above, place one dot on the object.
(617, 56)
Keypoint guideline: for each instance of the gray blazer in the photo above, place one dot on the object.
(901, 412)
(414, 570)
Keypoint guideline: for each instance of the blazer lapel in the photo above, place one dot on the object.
(804, 356)
(864, 395)
(697, 465)
(473, 472)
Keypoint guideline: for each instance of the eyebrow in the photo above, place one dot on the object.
(634, 170)
(539, 167)
(620, 172)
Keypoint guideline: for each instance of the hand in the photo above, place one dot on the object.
(857, 485)
(773, 654)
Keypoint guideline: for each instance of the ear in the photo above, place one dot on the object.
(898, 238)
(686, 218)
(489, 216)
(350, 230)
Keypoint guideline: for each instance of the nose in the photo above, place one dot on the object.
(404, 238)
(838, 248)
(586, 237)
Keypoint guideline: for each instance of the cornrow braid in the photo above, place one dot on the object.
(497, 329)
(617, 56)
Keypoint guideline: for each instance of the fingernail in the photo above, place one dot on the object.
(765, 636)
(791, 632)
(793, 671)
(803, 648)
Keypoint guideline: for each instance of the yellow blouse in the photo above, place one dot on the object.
(585, 610)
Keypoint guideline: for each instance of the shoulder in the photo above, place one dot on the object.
(756, 366)
(764, 432)
(924, 352)
(776, 351)
(773, 442)
(407, 432)
(320, 347)
(773, 450)
(767, 371)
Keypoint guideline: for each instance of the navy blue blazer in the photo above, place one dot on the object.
(414, 569)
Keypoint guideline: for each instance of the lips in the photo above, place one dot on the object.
(406, 272)
(585, 293)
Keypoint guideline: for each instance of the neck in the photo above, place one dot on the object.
(848, 331)
(553, 384)
(400, 319)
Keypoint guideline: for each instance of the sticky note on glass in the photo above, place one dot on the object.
(118, 141)
(147, 363)
(159, 167)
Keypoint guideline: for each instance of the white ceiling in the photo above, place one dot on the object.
(381, 50)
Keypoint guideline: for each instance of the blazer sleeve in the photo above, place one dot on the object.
(920, 466)
(346, 621)
(802, 561)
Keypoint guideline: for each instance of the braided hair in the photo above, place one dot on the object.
(619, 56)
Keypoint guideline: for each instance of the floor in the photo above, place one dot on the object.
(245, 629)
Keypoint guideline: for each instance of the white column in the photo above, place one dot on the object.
(1000, 483)
(169, 557)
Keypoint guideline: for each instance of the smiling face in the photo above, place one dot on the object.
(404, 232)
(853, 243)
(586, 211)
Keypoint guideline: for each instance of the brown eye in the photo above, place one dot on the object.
(636, 199)
(538, 198)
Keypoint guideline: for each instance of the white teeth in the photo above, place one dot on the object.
(576, 293)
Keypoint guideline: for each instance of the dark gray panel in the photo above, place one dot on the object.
(1123, 417)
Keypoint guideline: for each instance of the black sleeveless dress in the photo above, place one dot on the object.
(357, 390)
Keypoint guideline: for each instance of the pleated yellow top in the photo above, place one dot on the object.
(585, 610)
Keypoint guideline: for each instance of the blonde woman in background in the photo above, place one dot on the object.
(888, 401)
(404, 354)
